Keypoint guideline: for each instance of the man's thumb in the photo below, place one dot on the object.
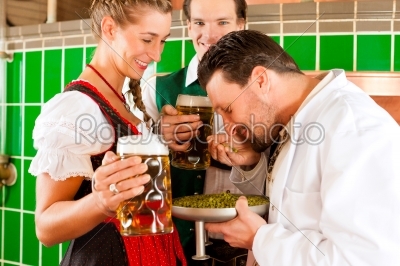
(241, 205)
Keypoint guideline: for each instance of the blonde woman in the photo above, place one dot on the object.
(76, 134)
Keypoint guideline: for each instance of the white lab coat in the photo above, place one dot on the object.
(336, 202)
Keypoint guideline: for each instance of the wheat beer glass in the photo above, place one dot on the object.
(197, 156)
(150, 212)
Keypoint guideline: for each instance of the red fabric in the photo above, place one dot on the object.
(160, 250)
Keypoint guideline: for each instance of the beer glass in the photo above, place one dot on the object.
(150, 212)
(197, 157)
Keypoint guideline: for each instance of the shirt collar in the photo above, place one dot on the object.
(191, 75)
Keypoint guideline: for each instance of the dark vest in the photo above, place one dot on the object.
(103, 241)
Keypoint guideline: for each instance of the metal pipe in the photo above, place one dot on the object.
(3, 27)
(51, 11)
(8, 172)
(200, 247)
(2, 24)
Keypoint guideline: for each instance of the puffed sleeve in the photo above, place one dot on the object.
(69, 129)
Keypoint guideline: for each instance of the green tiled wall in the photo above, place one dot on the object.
(373, 52)
(33, 81)
(33, 77)
(13, 130)
(52, 79)
(14, 83)
(302, 49)
(397, 53)
(12, 236)
(73, 64)
(336, 52)
(171, 57)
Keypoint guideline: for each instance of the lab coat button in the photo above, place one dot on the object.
(273, 207)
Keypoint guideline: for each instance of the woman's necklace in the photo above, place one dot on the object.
(121, 97)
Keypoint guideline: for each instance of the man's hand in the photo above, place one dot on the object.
(231, 151)
(176, 129)
(240, 231)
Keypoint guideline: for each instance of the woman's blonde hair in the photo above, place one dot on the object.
(123, 13)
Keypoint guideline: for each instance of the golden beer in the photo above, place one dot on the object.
(150, 212)
(197, 157)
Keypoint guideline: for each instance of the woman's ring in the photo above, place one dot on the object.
(93, 184)
(113, 189)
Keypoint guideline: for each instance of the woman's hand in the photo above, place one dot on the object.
(120, 173)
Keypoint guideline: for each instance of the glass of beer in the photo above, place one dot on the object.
(197, 157)
(150, 212)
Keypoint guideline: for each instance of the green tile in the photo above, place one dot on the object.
(73, 64)
(1, 219)
(302, 49)
(336, 52)
(14, 79)
(189, 51)
(30, 243)
(12, 235)
(397, 53)
(171, 58)
(52, 73)
(51, 255)
(89, 53)
(31, 113)
(33, 71)
(13, 193)
(13, 131)
(29, 202)
(373, 52)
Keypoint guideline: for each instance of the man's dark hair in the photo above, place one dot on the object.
(238, 52)
(241, 9)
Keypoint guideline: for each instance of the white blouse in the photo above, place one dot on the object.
(70, 129)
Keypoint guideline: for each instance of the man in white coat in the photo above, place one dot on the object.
(334, 180)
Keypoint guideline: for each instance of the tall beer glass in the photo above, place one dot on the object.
(150, 212)
(197, 157)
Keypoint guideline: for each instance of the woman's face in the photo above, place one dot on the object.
(137, 45)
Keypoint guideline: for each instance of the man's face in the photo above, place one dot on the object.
(245, 112)
(210, 20)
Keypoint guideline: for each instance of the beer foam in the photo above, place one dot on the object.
(191, 100)
(142, 145)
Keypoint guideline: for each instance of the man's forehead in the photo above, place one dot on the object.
(212, 10)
